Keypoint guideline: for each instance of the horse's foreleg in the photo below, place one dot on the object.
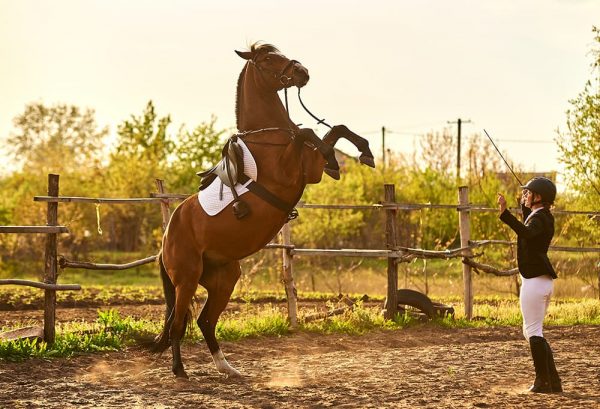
(332, 167)
(219, 283)
(342, 131)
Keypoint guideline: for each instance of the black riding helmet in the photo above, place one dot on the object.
(543, 187)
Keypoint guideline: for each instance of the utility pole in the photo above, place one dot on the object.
(383, 146)
(459, 122)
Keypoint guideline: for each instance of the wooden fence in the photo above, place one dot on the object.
(49, 285)
(392, 251)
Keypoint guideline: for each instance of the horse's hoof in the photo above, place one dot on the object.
(235, 373)
(180, 374)
(367, 160)
(334, 173)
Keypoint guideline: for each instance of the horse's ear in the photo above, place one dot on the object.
(246, 55)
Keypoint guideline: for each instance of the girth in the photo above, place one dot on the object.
(230, 170)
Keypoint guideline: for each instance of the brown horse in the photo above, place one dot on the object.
(205, 250)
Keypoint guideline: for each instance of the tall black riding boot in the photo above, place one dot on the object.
(540, 362)
(554, 378)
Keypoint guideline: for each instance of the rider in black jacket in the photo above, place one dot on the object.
(537, 274)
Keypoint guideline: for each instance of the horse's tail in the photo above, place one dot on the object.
(162, 340)
(168, 287)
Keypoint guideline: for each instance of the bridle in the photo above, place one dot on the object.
(281, 75)
(285, 80)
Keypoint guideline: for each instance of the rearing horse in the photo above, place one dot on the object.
(205, 250)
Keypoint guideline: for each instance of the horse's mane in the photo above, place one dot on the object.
(263, 47)
(237, 97)
(255, 48)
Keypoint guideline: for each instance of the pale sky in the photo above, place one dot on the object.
(509, 66)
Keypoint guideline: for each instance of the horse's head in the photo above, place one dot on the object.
(276, 69)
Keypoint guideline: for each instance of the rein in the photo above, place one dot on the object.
(319, 121)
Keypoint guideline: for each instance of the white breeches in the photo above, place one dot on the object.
(534, 300)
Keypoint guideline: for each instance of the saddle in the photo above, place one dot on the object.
(230, 170)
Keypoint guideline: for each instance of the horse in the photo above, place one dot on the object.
(198, 249)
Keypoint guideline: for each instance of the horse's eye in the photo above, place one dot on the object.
(267, 58)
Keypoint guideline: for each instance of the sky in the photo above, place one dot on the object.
(509, 66)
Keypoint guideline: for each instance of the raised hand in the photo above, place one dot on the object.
(501, 202)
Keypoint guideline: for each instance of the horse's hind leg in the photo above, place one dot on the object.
(219, 283)
(186, 283)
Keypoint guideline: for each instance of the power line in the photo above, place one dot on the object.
(523, 141)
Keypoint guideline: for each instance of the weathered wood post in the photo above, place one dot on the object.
(391, 306)
(164, 204)
(51, 263)
(288, 275)
(464, 224)
(598, 268)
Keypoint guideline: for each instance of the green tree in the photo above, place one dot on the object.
(580, 145)
(60, 138)
(194, 151)
(141, 156)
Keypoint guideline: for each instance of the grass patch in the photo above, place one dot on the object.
(110, 332)
(267, 321)
(358, 321)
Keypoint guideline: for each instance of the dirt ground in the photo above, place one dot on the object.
(419, 367)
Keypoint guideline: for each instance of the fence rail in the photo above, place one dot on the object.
(160, 197)
(34, 229)
(43, 286)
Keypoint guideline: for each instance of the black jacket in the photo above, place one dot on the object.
(533, 239)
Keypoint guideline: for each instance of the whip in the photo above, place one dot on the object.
(498, 150)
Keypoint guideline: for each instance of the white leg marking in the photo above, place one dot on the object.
(223, 366)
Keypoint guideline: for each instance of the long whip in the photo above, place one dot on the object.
(499, 153)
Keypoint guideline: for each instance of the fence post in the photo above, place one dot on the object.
(288, 276)
(50, 264)
(598, 267)
(464, 224)
(164, 204)
(391, 306)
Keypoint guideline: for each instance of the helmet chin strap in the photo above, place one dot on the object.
(534, 202)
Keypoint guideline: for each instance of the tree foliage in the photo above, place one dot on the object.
(580, 145)
(194, 151)
(60, 138)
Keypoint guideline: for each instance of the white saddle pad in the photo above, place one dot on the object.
(211, 199)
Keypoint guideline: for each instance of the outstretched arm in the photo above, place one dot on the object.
(534, 228)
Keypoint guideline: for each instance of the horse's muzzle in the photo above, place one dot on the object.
(300, 76)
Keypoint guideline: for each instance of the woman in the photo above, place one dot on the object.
(537, 275)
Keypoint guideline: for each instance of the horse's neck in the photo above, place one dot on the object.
(259, 109)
